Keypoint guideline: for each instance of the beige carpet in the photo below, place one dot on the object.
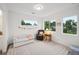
(39, 48)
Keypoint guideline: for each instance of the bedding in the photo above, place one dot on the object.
(22, 40)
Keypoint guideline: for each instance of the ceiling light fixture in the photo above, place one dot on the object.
(38, 7)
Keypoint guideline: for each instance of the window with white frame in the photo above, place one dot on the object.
(70, 25)
(50, 25)
(29, 22)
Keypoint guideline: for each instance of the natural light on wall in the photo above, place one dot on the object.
(1, 22)
(0, 12)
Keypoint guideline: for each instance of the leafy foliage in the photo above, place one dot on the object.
(53, 26)
(70, 26)
(47, 24)
(22, 22)
(50, 25)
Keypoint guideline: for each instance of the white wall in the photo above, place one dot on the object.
(64, 38)
(4, 27)
(0, 30)
(15, 21)
(1, 23)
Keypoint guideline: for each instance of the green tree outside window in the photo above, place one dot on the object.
(70, 26)
(50, 25)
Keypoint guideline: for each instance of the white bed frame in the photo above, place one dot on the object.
(21, 41)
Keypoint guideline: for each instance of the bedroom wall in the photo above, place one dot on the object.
(15, 21)
(64, 38)
(0, 22)
(3, 41)
(0, 30)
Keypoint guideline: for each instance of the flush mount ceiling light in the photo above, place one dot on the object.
(38, 7)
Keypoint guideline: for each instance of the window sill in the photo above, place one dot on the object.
(70, 34)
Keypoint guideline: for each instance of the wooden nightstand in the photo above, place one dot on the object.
(47, 36)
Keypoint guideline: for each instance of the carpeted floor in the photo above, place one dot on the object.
(39, 48)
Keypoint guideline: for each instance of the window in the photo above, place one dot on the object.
(70, 25)
(47, 25)
(29, 22)
(50, 25)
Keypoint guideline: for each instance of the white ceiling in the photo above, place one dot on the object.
(27, 8)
